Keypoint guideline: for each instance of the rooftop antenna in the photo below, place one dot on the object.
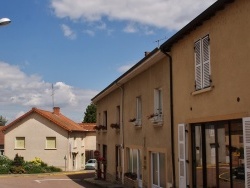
(53, 92)
(158, 41)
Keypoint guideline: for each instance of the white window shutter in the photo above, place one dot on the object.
(198, 65)
(182, 156)
(206, 61)
(246, 136)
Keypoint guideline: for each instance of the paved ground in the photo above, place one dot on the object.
(101, 183)
(54, 180)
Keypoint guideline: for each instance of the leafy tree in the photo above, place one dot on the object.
(90, 114)
(3, 121)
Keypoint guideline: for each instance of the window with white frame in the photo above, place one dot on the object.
(20, 143)
(158, 104)
(118, 112)
(202, 63)
(138, 110)
(50, 142)
(134, 162)
(158, 172)
(105, 119)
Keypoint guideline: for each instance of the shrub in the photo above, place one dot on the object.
(5, 160)
(18, 161)
(4, 169)
(17, 170)
(37, 161)
(131, 175)
(34, 169)
(38, 166)
(19, 166)
(53, 169)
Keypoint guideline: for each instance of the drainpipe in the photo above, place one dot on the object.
(171, 114)
(122, 129)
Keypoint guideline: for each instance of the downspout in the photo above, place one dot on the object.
(122, 129)
(69, 150)
(171, 115)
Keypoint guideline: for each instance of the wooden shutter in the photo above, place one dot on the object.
(198, 65)
(206, 62)
(138, 109)
(182, 156)
(246, 136)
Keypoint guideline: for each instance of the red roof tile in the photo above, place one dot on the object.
(55, 117)
(88, 126)
(1, 135)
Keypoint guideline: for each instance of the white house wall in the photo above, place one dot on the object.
(35, 129)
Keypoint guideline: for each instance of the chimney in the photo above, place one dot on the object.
(56, 110)
(146, 53)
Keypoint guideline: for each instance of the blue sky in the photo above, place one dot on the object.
(79, 46)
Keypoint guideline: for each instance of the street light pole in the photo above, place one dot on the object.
(4, 21)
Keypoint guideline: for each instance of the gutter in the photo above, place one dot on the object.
(171, 115)
(122, 129)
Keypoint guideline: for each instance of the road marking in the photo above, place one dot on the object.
(40, 181)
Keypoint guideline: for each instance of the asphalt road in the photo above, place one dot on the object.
(72, 180)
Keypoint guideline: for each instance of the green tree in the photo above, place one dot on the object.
(90, 114)
(3, 121)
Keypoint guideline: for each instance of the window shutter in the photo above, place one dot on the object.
(138, 109)
(182, 155)
(206, 61)
(246, 135)
(51, 143)
(198, 65)
(20, 142)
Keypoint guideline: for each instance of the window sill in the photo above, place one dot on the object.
(138, 126)
(202, 90)
(50, 149)
(20, 149)
(158, 123)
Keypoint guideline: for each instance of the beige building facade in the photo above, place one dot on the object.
(210, 58)
(134, 115)
(197, 133)
(51, 136)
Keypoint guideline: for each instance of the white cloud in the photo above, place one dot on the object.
(130, 28)
(101, 26)
(89, 32)
(68, 32)
(168, 14)
(20, 92)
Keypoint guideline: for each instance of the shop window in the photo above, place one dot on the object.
(218, 154)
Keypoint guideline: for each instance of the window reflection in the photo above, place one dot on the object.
(219, 154)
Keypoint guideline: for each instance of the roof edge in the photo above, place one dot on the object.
(114, 83)
(205, 15)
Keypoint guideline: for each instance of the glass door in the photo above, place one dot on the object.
(218, 154)
(158, 172)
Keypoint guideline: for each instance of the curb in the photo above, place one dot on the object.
(102, 183)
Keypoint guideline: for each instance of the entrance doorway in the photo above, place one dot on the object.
(218, 154)
(118, 162)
